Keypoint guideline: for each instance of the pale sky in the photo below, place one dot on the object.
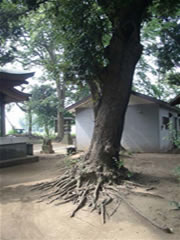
(15, 114)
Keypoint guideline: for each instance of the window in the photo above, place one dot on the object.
(165, 122)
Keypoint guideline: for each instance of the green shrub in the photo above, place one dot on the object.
(177, 172)
(174, 136)
(12, 132)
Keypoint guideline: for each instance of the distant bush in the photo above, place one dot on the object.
(12, 132)
(174, 136)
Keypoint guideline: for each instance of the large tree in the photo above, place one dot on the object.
(102, 43)
(41, 49)
(37, 47)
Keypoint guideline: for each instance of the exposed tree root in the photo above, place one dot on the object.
(81, 203)
(95, 189)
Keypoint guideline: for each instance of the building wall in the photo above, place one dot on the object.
(84, 127)
(141, 129)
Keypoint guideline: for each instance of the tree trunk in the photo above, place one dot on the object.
(46, 128)
(60, 110)
(110, 107)
(60, 92)
(2, 120)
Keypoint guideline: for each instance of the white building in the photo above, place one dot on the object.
(146, 126)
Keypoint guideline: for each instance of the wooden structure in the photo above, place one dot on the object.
(8, 94)
(13, 150)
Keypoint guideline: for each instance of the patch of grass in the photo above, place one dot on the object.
(176, 205)
(120, 163)
(177, 172)
(71, 161)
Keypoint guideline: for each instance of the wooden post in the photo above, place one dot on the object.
(2, 120)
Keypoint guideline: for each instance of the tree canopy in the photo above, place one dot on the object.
(44, 104)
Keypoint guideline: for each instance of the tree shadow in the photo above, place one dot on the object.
(20, 193)
(149, 179)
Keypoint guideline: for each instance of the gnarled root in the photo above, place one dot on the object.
(95, 189)
(82, 187)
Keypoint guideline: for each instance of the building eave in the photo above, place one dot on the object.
(15, 75)
(79, 104)
(82, 102)
(13, 95)
(157, 101)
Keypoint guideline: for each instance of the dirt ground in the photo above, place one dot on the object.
(22, 218)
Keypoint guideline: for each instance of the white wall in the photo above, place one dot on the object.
(141, 129)
(84, 127)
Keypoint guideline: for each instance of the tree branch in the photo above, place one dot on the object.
(22, 108)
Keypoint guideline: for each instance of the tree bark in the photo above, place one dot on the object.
(29, 121)
(60, 110)
(60, 92)
(2, 120)
(110, 106)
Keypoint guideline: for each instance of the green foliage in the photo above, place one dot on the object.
(72, 38)
(10, 29)
(80, 47)
(156, 73)
(120, 163)
(75, 93)
(12, 132)
(174, 135)
(85, 38)
(177, 172)
(176, 205)
(162, 37)
(44, 104)
(40, 45)
(165, 8)
(71, 161)
(174, 79)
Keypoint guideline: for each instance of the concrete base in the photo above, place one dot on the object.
(67, 139)
(17, 161)
(14, 151)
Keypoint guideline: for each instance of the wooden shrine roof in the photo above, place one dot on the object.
(13, 95)
(13, 78)
(10, 79)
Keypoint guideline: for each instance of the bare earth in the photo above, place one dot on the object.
(22, 218)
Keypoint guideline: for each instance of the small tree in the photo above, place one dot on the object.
(37, 47)
(44, 104)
